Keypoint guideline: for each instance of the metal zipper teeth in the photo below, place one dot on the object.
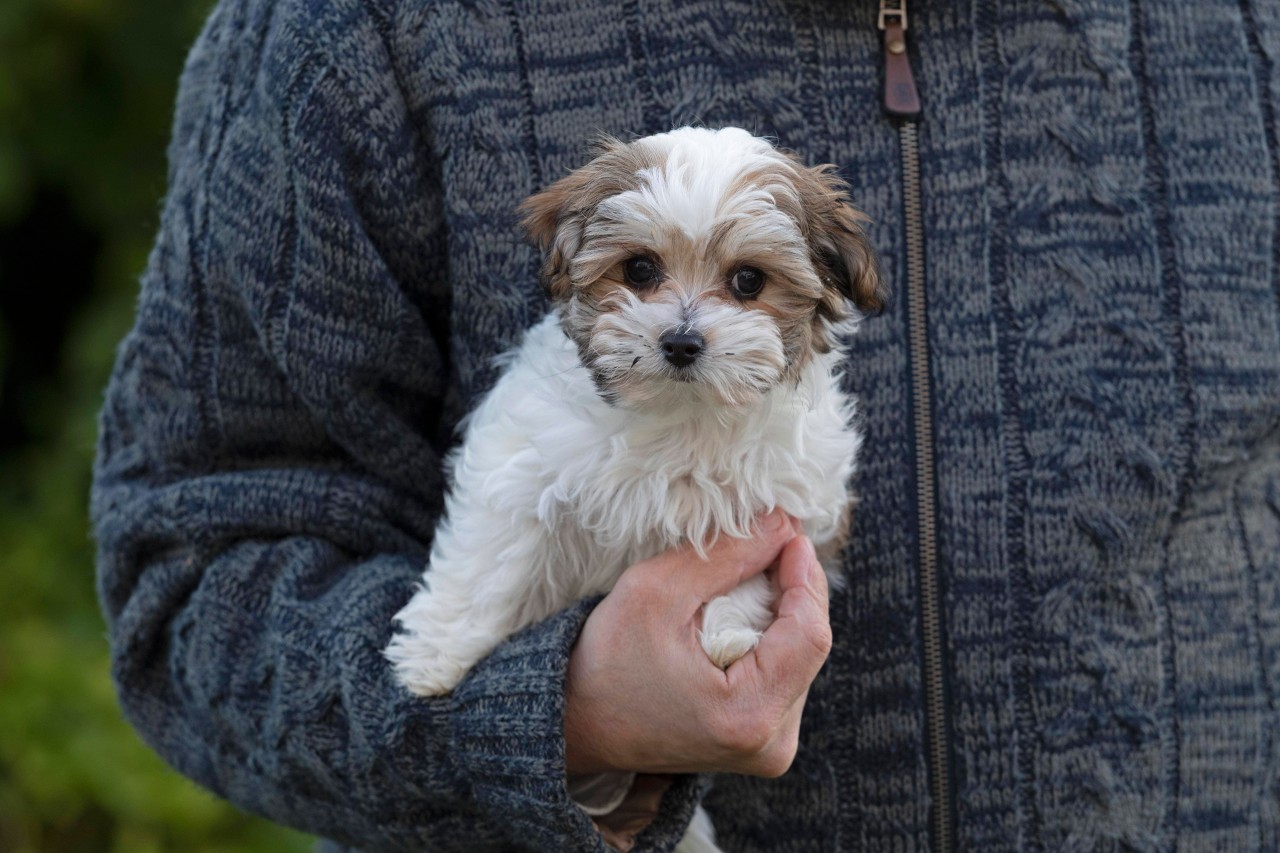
(930, 588)
(902, 103)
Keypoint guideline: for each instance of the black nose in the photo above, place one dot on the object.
(681, 348)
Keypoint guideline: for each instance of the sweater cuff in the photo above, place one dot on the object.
(508, 740)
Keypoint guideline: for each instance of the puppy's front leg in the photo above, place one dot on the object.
(442, 636)
(487, 580)
(733, 624)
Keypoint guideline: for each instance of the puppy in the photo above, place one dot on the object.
(686, 380)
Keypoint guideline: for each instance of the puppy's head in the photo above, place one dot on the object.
(701, 263)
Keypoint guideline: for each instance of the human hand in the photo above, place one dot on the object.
(641, 695)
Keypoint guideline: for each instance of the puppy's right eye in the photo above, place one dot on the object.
(641, 272)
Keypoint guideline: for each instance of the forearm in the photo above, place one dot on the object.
(269, 470)
(269, 699)
(258, 673)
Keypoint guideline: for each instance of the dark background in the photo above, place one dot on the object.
(86, 99)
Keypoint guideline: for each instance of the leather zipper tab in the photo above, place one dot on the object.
(901, 99)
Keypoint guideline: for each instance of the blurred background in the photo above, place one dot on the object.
(86, 97)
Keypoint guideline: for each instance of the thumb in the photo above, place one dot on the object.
(796, 645)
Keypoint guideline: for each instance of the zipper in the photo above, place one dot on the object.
(902, 106)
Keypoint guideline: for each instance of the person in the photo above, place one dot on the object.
(339, 262)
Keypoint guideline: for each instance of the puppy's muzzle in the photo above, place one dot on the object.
(681, 348)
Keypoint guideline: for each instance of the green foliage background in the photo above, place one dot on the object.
(86, 94)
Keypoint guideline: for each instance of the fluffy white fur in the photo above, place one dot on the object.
(594, 451)
(556, 493)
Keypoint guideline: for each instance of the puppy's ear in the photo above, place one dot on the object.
(549, 221)
(841, 252)
(554, 219)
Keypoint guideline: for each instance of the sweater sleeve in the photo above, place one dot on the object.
(269, 466)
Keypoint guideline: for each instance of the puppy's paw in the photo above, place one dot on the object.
(726, 643)
(733, 624)
(436, 646)
(426, 672)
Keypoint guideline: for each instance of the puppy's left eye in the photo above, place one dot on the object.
(748, 282)
(641, 272)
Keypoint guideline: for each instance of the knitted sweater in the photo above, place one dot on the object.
(338, 263)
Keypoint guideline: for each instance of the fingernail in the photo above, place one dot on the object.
(773, 522)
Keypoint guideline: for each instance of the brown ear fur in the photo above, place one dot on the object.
(554, 218)
(840, 249)
(546, 217)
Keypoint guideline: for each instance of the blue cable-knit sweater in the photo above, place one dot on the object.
(338, 263)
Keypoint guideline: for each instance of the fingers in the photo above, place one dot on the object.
(799, 569)
(760, 742)
(764, 692)
(796, 645)
(731, 560)
(775, 759)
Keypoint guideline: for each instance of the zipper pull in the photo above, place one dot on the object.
(901, 100)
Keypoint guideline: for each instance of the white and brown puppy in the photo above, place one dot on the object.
(685, 382)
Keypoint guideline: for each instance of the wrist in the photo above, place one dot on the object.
(581, 743)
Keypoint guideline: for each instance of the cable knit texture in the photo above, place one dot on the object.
(338, 264)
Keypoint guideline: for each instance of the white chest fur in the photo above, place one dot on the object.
(556, 493)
